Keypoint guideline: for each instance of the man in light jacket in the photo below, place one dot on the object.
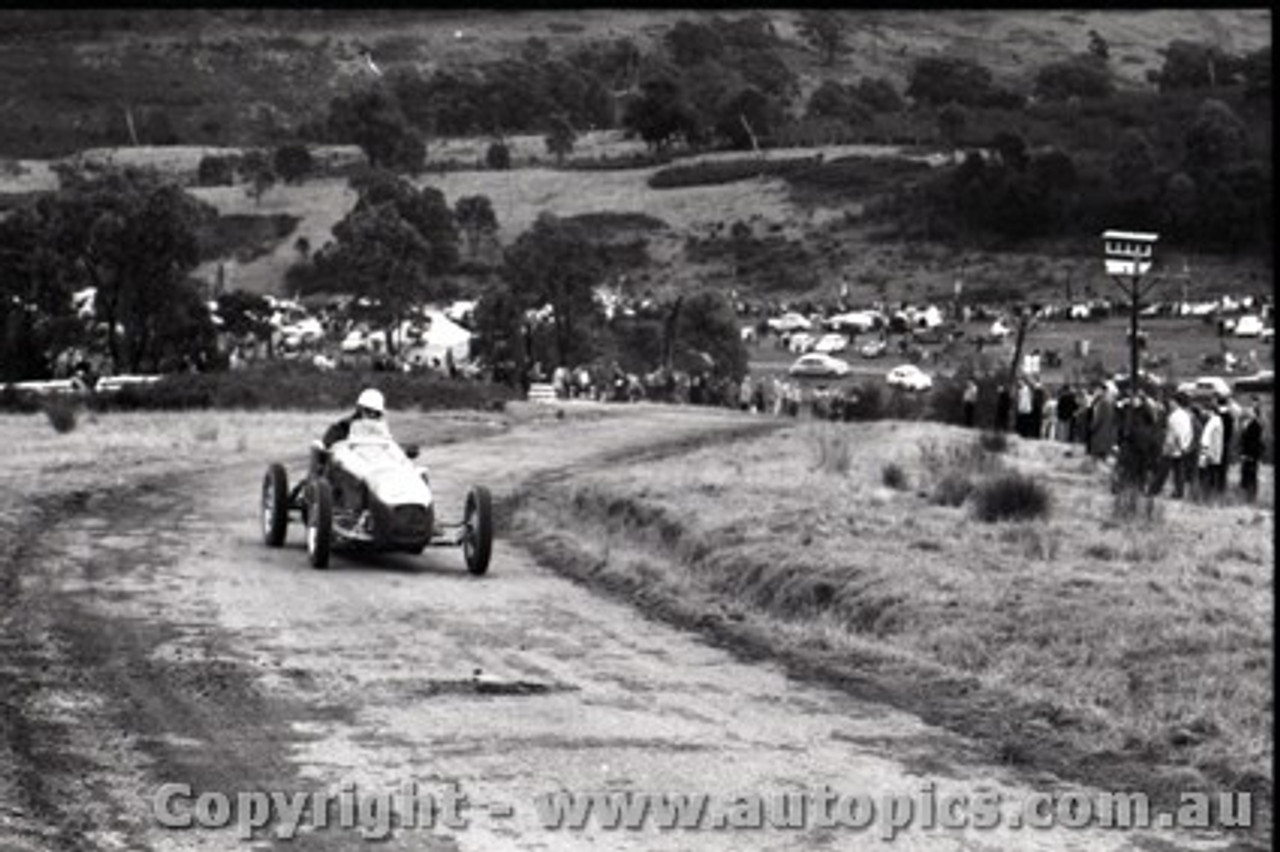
(1177, 453)
(1211, 453)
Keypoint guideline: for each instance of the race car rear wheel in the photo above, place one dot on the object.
(275, 505)
(477, 520)
(319, 523)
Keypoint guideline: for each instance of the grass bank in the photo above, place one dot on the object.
(1128, 649)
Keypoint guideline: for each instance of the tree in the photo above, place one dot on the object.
(825, 31)
(1077, 77)
(707, 334)
(1133, 166)
(1012, 149)
(837, 100)
(554, 264)
(373, 120)
(216, 171)
(380, 256)
(746, 117)
(940, 80)
(1195, 65)
(879, 95)
(660, 115)
(475, 216)
(135, 239)
(952, 119)
(560, 139)
(257, 169)
(35, 296)
(1256, 70)
(498, 156)
(293, 162)
(1216, 139)
(691, 43)
(425, 210)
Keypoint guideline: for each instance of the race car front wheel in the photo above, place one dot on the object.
(477, 521)
(275, 505)
(319, 523)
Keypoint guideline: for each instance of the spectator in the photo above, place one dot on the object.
(1035, 427)
(1067, 408)
(1049, 418)
(1211, 452)
(1102, 422)
(1176, 452)
(1252, 435)
(1026, 409)
(1003, 401)
(969, 401)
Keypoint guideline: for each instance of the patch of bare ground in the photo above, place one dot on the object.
(1131, 652)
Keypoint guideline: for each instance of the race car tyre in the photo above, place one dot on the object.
(275, 505)
(477, 519)
(319, 523)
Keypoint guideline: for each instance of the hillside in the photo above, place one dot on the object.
(246, 77)
(227, 80)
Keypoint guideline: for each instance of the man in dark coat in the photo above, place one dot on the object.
(1252, 446)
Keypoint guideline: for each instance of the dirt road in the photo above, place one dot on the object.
(157, 641)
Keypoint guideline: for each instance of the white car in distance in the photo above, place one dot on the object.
(829, 344)
(818, 365)
(909, 377)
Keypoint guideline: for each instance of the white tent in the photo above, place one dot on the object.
(442, 335)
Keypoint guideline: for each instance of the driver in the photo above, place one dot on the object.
(370, 408)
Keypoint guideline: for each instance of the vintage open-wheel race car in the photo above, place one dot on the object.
(366, 493)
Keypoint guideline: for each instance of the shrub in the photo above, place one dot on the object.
(214, 170)
(284, 385)
(62, 415)
(952, 489)
(866, 403)
(1010, 496)
(994, 442)
(17, 401)
(498, 157)
(894, 476)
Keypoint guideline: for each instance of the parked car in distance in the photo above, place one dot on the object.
(1249, 326)
(874, 349)
(1206, 387)
(909, 377)
(800, 342)
(831, 343)
(789, 322)
(1263, 381)
(819, 364)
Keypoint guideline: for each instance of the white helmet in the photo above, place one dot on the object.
(371, 398)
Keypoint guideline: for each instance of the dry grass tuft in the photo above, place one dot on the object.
(893, 476)
(1011, 496)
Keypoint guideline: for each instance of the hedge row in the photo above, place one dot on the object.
(717, 172)
(283, 386)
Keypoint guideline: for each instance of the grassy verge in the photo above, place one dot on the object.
(1128, 650)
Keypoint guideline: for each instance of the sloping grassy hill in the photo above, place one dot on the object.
(68, 80)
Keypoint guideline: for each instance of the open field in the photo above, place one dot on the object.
(1183, 341)
(1138, 648)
